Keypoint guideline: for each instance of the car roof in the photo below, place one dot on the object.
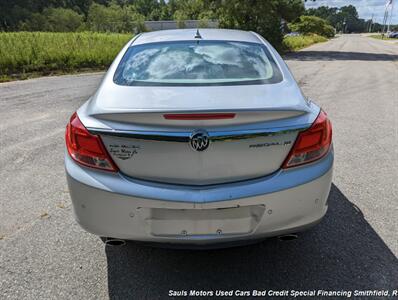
(189, 34)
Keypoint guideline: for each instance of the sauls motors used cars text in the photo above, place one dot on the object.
(198, 137)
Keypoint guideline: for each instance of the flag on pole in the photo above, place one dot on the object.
(388, 3)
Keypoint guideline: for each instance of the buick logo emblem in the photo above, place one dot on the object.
(199, 140)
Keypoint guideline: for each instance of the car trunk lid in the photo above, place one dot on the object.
(154, 133)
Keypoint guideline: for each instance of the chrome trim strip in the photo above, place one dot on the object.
(184, 137)
(145, 135)
(248, 134)
(118, 183)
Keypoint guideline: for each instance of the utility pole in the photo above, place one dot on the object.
(344, 25)
(371, 24)
(385, 19)
(392, 8)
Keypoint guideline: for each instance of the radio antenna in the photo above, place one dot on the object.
(197, 35)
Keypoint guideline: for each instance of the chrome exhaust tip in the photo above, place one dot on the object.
(288, 237)
(114, 242)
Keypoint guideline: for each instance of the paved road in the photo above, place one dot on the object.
(44, 254)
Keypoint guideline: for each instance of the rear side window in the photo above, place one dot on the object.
(186, 63)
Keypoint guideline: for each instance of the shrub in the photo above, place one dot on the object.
(53, 19)
(114, 18)
(312, 25)
(62, 19)
(294, 43)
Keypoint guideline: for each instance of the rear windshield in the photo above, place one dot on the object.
(197, 63)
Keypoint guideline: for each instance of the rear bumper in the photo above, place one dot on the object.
(112, 205)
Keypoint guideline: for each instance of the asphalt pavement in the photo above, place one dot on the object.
(45, 254)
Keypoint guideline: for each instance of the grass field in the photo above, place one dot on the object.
(380, 37)
(30, 54)
(23, 54)
(294, 43)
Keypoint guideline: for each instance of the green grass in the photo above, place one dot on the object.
(380, 37)
(27, 54)
(294, 43)
(31, 54)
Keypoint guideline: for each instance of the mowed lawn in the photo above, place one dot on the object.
(26, 53)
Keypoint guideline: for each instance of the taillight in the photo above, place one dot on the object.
(311, 144)
(86, 148)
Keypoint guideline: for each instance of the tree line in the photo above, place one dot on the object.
(129, 15)
(266, 17)
(345, 19)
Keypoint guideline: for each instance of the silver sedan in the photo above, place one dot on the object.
(198, 137)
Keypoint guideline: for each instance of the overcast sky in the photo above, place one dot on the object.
(365, 8)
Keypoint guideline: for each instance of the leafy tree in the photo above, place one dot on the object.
(344, 19)
(290, 10)
(35, 22)
(15, 13)
(190, 10)
(351, 18)
(53, 19)
(312, 25)
(260, 16)
(145, 7)
(10, 17)
(114, 18)
(62, 19)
